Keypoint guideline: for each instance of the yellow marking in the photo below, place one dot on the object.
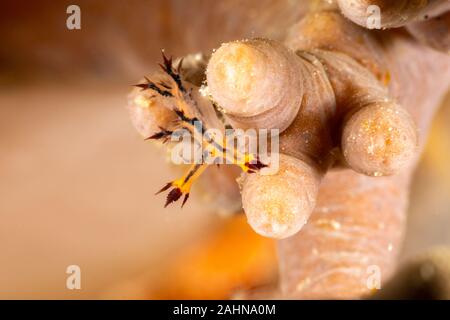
(185, 186)
(142, 101)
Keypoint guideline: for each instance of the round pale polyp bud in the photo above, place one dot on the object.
(392, 13)
(359, 12)
(279, 205)
(379, 139)
(256, 83)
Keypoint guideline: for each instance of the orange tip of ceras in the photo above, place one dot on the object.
(173, 195)
(167, 186)
(164, 135)
(254, 167)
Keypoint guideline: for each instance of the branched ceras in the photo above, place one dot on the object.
(189, 118)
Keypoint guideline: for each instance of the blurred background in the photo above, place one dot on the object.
(77, 182)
